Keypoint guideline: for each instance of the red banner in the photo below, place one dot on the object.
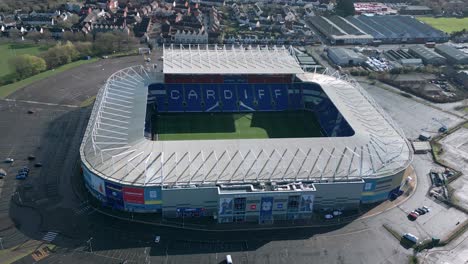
(133, 195)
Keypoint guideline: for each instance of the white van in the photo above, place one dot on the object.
(411, 237)
(228, 259)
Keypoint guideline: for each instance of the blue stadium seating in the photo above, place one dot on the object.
(193, 98)
(295, 97)
(241, 97)
(262, 95)
(211, 97)
(279, 93)
(175, 98)
(228, 96)
(157, 94)
(245, 97)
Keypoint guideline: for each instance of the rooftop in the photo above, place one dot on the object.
(214, 59)
(114, 146)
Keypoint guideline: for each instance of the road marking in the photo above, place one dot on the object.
(346, 234)
(50, 236)
(40, 103)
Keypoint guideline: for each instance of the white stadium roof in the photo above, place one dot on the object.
(196, 59)
(114, 146)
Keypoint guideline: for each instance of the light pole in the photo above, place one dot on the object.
(90, 245)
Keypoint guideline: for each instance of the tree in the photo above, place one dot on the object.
(84, 48)
(27, 65)
(117, 41)
(60, 54)
(344, 8)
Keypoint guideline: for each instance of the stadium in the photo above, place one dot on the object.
(238, 134)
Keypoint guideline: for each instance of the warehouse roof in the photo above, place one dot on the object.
(346, 54)
(214, 59)
(452, 52)
(114, 146)
(425, 53)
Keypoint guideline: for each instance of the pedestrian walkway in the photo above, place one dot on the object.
(50, 236)
(84, 208)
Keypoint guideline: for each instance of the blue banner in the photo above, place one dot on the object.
(266, 207)
(153, 196)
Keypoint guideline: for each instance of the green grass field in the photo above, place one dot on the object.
(8, 51)
(446, 24)
(257, 125)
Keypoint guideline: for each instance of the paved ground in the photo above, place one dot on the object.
(455, 154)
(53, 134)
(413, 117)
(76, 85)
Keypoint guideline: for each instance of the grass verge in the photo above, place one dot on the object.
(6, 90)
(11, 50)
(446, 24)
(88, 101)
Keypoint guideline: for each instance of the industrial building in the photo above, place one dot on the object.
(397, 29)
(345, 57)
(427, 55)
(403, 58)
(339, 31)
(453, 55)
(361, 158)
(415, 10)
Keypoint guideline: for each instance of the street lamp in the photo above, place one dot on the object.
(90, 245)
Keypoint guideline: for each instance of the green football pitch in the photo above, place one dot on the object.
(256, 125)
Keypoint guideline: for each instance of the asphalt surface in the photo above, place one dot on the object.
(76, 85)
(53, 135)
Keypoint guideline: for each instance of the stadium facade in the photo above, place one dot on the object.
(361, 158)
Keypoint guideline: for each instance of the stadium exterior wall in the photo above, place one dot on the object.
(244, 203)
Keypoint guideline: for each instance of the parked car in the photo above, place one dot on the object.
(24, 169)
(328, 216)
(2, 173)
(420, 211)
(38, 165)
(337, 213)
(157, 239)
(9, 160)
(31, 157)
(411, 237)
(427, 209)
(413, 216)
(30, 111)
(21, 176)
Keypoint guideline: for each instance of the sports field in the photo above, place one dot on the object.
(446, 24)
(256, 125)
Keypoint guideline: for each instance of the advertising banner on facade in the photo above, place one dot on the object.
(114, 191)
(307, 203)
(138, 208)
(225, 206)
(114, 195)
(96, 183)
(266, 206)
(133, 195)
(190, 212)
(153, 195)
